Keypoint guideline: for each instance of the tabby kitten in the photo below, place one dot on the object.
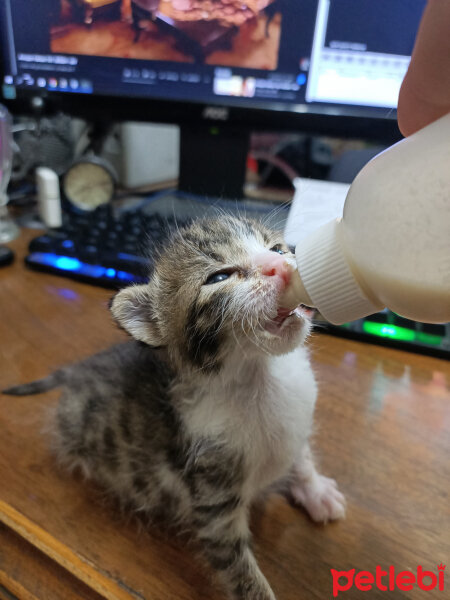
(210, 404)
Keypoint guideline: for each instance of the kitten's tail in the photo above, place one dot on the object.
(37, 387)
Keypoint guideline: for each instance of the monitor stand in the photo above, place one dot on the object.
(213, 161)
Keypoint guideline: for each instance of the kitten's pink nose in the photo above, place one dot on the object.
(275, 266)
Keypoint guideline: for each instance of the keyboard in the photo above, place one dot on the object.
(112, 247)
(112, 250)
(100, 247)
(389, 329)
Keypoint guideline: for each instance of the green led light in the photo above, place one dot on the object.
(428, 338)
(390, 331)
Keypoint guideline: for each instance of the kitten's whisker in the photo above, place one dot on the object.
(235, 337)
(267, 219)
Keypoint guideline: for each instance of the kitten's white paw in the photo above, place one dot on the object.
(321, 498)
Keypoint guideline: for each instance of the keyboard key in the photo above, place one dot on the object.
(402, 322)
(434, 329)
(123, 261)
(42, 243)
(47, 242)
(66, 247)
(380, 317)
(89, 252)
(130, 248)
(129, 238)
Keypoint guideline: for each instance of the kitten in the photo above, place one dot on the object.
(210, 404)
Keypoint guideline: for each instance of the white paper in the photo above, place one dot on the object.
(315, 203)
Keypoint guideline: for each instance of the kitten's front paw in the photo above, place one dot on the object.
(321, 498)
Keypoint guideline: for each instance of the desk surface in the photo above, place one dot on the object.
(382, 430)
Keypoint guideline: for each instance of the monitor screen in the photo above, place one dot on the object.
(299, 54)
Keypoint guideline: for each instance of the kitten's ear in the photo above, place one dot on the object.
(132, 309)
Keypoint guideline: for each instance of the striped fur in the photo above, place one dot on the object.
(205, 409)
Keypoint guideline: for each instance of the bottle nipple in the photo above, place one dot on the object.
(295, 293)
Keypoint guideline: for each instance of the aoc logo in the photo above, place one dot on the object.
(215, 113)
(388, 580)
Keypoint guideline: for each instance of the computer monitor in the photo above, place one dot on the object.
(219, 68)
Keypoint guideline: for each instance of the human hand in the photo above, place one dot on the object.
(425, 91)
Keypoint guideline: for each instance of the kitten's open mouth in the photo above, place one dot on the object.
(276, 324)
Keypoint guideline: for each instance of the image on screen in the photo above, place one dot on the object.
(213, 32)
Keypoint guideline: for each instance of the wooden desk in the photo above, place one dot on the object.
(383, 431)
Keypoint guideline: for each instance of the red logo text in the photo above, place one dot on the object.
(388, 580)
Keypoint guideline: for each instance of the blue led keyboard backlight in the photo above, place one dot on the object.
(124, 276)
(66, 263)
(82, 270)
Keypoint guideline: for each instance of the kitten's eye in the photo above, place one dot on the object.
(277, 248)
(216, 278)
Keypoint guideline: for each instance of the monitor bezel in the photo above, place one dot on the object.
(377, 124)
